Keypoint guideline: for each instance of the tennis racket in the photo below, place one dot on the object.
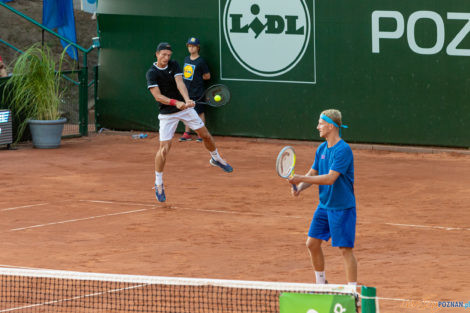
(215, 95)
(285, 163)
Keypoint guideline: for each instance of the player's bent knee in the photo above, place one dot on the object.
(313, 244)
(163, 150)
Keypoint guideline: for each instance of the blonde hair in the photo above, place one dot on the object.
(335, 115)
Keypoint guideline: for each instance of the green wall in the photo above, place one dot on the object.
(400, 95)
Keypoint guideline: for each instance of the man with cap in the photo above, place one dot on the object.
(195, 72)
(165, 82)
(335, 216)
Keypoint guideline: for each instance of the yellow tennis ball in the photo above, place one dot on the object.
(217, 98)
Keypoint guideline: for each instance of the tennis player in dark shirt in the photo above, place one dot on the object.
(165, 82)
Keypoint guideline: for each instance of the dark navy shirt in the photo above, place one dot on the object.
(193, 71)
(164, 78)
(339, 158)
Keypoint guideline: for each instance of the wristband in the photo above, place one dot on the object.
(173, 102)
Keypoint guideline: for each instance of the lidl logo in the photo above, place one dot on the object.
(188, 71)
(268, 39)
(274, 24)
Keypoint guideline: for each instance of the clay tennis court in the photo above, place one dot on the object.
(89, 206)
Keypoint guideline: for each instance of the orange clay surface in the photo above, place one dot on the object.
(89, 206)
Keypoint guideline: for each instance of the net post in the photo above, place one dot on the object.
(368, 301)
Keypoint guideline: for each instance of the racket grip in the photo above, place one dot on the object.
(294, 187)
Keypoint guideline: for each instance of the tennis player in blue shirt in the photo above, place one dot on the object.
(335, 216)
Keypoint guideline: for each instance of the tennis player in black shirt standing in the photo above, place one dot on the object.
(165, 82)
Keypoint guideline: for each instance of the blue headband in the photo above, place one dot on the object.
(330, 121)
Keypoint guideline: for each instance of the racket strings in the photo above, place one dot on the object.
(221, 91)
(287, 160)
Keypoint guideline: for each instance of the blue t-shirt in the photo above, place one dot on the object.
(339, 158)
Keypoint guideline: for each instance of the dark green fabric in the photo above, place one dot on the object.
(396, 96)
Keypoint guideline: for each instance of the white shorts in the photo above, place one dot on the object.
(169, 122)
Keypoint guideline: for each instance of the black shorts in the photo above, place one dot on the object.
(200, 108)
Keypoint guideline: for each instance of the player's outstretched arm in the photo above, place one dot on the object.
(184, 91)
(165, 100)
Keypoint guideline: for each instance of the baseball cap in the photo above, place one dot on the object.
(164, 46)
(193, 41)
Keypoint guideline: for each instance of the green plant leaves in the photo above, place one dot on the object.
(33, 91)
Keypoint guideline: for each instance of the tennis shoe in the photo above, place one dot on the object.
(226, 167)
(160, 193)
(185, 137)
(199, 139)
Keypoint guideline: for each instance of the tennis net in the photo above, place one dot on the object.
(32, 290)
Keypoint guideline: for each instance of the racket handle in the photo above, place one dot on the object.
(294, 187)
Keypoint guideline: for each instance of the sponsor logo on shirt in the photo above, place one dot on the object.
(188, 71)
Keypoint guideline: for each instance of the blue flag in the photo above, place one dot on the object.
(59, 14)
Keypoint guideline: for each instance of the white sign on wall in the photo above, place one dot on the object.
(267, 40)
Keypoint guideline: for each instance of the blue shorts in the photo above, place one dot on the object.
(340, 225)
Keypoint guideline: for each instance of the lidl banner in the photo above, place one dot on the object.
(268, 40)
(316, 303)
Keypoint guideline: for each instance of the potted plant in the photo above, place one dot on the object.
(34, 96)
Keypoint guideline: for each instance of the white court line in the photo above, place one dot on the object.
(77, 220)
(34, 205)
(118, 202)
(239, 213)
(258, 214)
(22, 207)
(208, 211)
(192, 209)
(428, 226)
(21, 267)
(71, 299)
(406, 300)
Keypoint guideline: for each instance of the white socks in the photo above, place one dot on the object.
(320, 277)
(158, 178)
(216, 156)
